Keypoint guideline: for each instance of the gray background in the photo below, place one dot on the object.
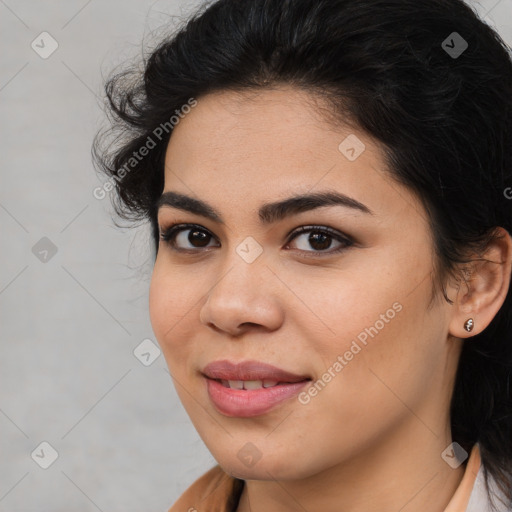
(70, 321)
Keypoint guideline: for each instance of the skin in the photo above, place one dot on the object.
(372, 438)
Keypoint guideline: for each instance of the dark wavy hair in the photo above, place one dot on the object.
(394, 69)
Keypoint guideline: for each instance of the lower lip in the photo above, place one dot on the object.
(253, 402)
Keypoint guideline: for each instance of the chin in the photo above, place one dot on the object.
(269, 469)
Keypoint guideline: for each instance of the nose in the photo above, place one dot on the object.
(246, 296)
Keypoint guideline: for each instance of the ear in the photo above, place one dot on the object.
(485, 287)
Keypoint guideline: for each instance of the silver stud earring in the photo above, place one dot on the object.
(469, 324)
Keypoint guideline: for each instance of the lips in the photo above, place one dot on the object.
(250, 371)
(250, 388)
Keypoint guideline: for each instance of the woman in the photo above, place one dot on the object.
(328, 186)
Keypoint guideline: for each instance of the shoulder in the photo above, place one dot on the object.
(213, 491)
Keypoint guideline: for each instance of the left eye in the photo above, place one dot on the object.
(320, 238)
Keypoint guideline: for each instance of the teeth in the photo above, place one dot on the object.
(253, 384)
(249, 384)
(236, 384)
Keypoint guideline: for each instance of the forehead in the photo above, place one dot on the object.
(284, 110)
(280, 132)
(246, 149)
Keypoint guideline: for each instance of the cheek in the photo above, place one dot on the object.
(336, 308)
(369, 332)
(172, 297)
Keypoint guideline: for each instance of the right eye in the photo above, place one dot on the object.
(176, 237)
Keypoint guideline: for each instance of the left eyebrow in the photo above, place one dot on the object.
(268, 212)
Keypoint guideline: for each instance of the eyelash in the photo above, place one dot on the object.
(169, 234)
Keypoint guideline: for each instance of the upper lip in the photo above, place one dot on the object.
(249, 370)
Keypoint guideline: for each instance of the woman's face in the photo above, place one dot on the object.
(345, 304)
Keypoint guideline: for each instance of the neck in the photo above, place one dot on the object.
(405, 473)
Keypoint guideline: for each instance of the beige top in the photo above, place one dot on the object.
(216, 491)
